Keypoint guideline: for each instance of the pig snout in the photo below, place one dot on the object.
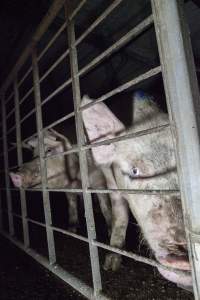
(179, 271)
(16, 179)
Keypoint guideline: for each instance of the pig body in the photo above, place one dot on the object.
(145, 162)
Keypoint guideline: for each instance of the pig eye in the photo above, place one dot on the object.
(134, 172)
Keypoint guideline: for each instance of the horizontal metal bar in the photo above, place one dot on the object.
(28, 115)
(25, 76)
(74, 13)
(63, 231)
(103, 191)
(52, 40)
(115, 47)
(54, 65)
(76, 283)
(9, 97)
(11, 129)
(45, 23)
(28, 93)
(70, 115)
(118, 45)
(127, 136)
(12, 148)
(98, 21)
(125, 86)
(58, 90)
(136, 257)
(83, 36)
(10, 113)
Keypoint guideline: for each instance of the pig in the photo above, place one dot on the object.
(62, 172)
(144, 162)
(57, 177)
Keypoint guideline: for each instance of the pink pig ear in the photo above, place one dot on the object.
(101, 124)
(16, 179)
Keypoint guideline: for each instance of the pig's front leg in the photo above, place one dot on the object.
(73, 208)
(119, 222)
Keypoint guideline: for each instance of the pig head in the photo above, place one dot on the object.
(145, 162)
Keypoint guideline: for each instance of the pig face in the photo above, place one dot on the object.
(30, 176)
(145, 162)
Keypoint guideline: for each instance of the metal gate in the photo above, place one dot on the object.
(182, 95)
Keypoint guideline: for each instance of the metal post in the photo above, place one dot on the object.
(183, 104)
(6, 165)
(94, 257)
(46, 200)
(20, 161)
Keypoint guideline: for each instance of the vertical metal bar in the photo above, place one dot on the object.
(6, 165)
(46, 200)
(20, 161)
(183, 103)
(94, 257)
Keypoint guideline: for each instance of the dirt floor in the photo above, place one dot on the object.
(22, 278)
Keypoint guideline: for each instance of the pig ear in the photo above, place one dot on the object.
(101, 124)
(16, 179)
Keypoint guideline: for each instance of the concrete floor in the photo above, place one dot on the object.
(23, 279)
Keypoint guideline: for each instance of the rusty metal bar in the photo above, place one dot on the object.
(183, 101)
(77, 284)
(94, 257)
(20, 161)
(46, 200)
(6, 166)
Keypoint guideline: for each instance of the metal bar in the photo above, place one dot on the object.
(54, 65)
(52, 40)
(6, 165)
(103, 191)
(26, 95)
(98, 21)
(20, 161)
(84, 35)
(9, 98)
(47, 20)
(65, 232)
(125, 86)
(10, 113)
(74, 13)
(97, 60)
(25, 76)
(77, 284)
(183, 100)
(94, 258)
(46, 200)
(133, 33)
(28, 115)
(11, 129)
(70, 115)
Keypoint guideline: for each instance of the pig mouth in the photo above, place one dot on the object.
(180, 269)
